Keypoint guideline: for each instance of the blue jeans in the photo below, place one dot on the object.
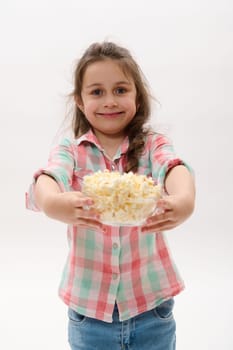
(151, 330)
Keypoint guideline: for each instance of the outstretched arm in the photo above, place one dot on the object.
(68, 207)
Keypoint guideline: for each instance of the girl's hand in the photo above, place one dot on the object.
(172, 210)
(72, 208)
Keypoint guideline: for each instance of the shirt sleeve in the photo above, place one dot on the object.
(60, 167)
(163, 158)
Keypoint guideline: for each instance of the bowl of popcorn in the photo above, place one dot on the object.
(126, 199)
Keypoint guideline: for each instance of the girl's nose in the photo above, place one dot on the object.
(110, 102)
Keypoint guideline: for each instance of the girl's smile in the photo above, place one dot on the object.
(110, 115)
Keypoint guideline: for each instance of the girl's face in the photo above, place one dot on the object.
(108, 98)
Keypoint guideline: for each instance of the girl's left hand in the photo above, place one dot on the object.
(172, 210)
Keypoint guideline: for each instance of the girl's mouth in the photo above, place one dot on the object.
(109, 115)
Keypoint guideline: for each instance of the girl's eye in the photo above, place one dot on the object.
(120, 90)
(97, 92)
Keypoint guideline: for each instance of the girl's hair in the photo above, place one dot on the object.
(136, 128)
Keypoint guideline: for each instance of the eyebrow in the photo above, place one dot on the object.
(122, 82)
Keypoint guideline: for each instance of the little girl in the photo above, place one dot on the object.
(118, 282)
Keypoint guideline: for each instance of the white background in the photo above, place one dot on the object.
(185, 49)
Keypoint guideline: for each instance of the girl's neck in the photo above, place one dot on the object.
(110, 143)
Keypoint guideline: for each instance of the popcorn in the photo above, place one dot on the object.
(122, 199)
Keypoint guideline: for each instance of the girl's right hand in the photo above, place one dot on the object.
(72, 208)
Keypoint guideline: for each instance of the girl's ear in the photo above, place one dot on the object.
(79, 102)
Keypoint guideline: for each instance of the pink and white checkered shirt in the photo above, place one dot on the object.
(115, 264)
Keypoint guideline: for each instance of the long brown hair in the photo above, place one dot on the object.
(136, 128)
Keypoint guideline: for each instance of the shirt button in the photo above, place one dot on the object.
(114, 276)
(115, 245)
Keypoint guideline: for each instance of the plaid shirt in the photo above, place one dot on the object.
(115, 264)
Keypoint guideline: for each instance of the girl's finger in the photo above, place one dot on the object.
(84, 202)
(84, 222)
(86, 213)
(161, 217)
(168, 225)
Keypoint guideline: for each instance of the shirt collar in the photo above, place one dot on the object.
(90, 137)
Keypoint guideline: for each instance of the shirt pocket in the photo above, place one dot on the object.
(78, 176)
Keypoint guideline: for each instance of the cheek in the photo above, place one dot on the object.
(90, 106)
(131, 106)
(130, 101)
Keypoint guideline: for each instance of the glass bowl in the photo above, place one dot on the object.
(129, 213)
(126, 199)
